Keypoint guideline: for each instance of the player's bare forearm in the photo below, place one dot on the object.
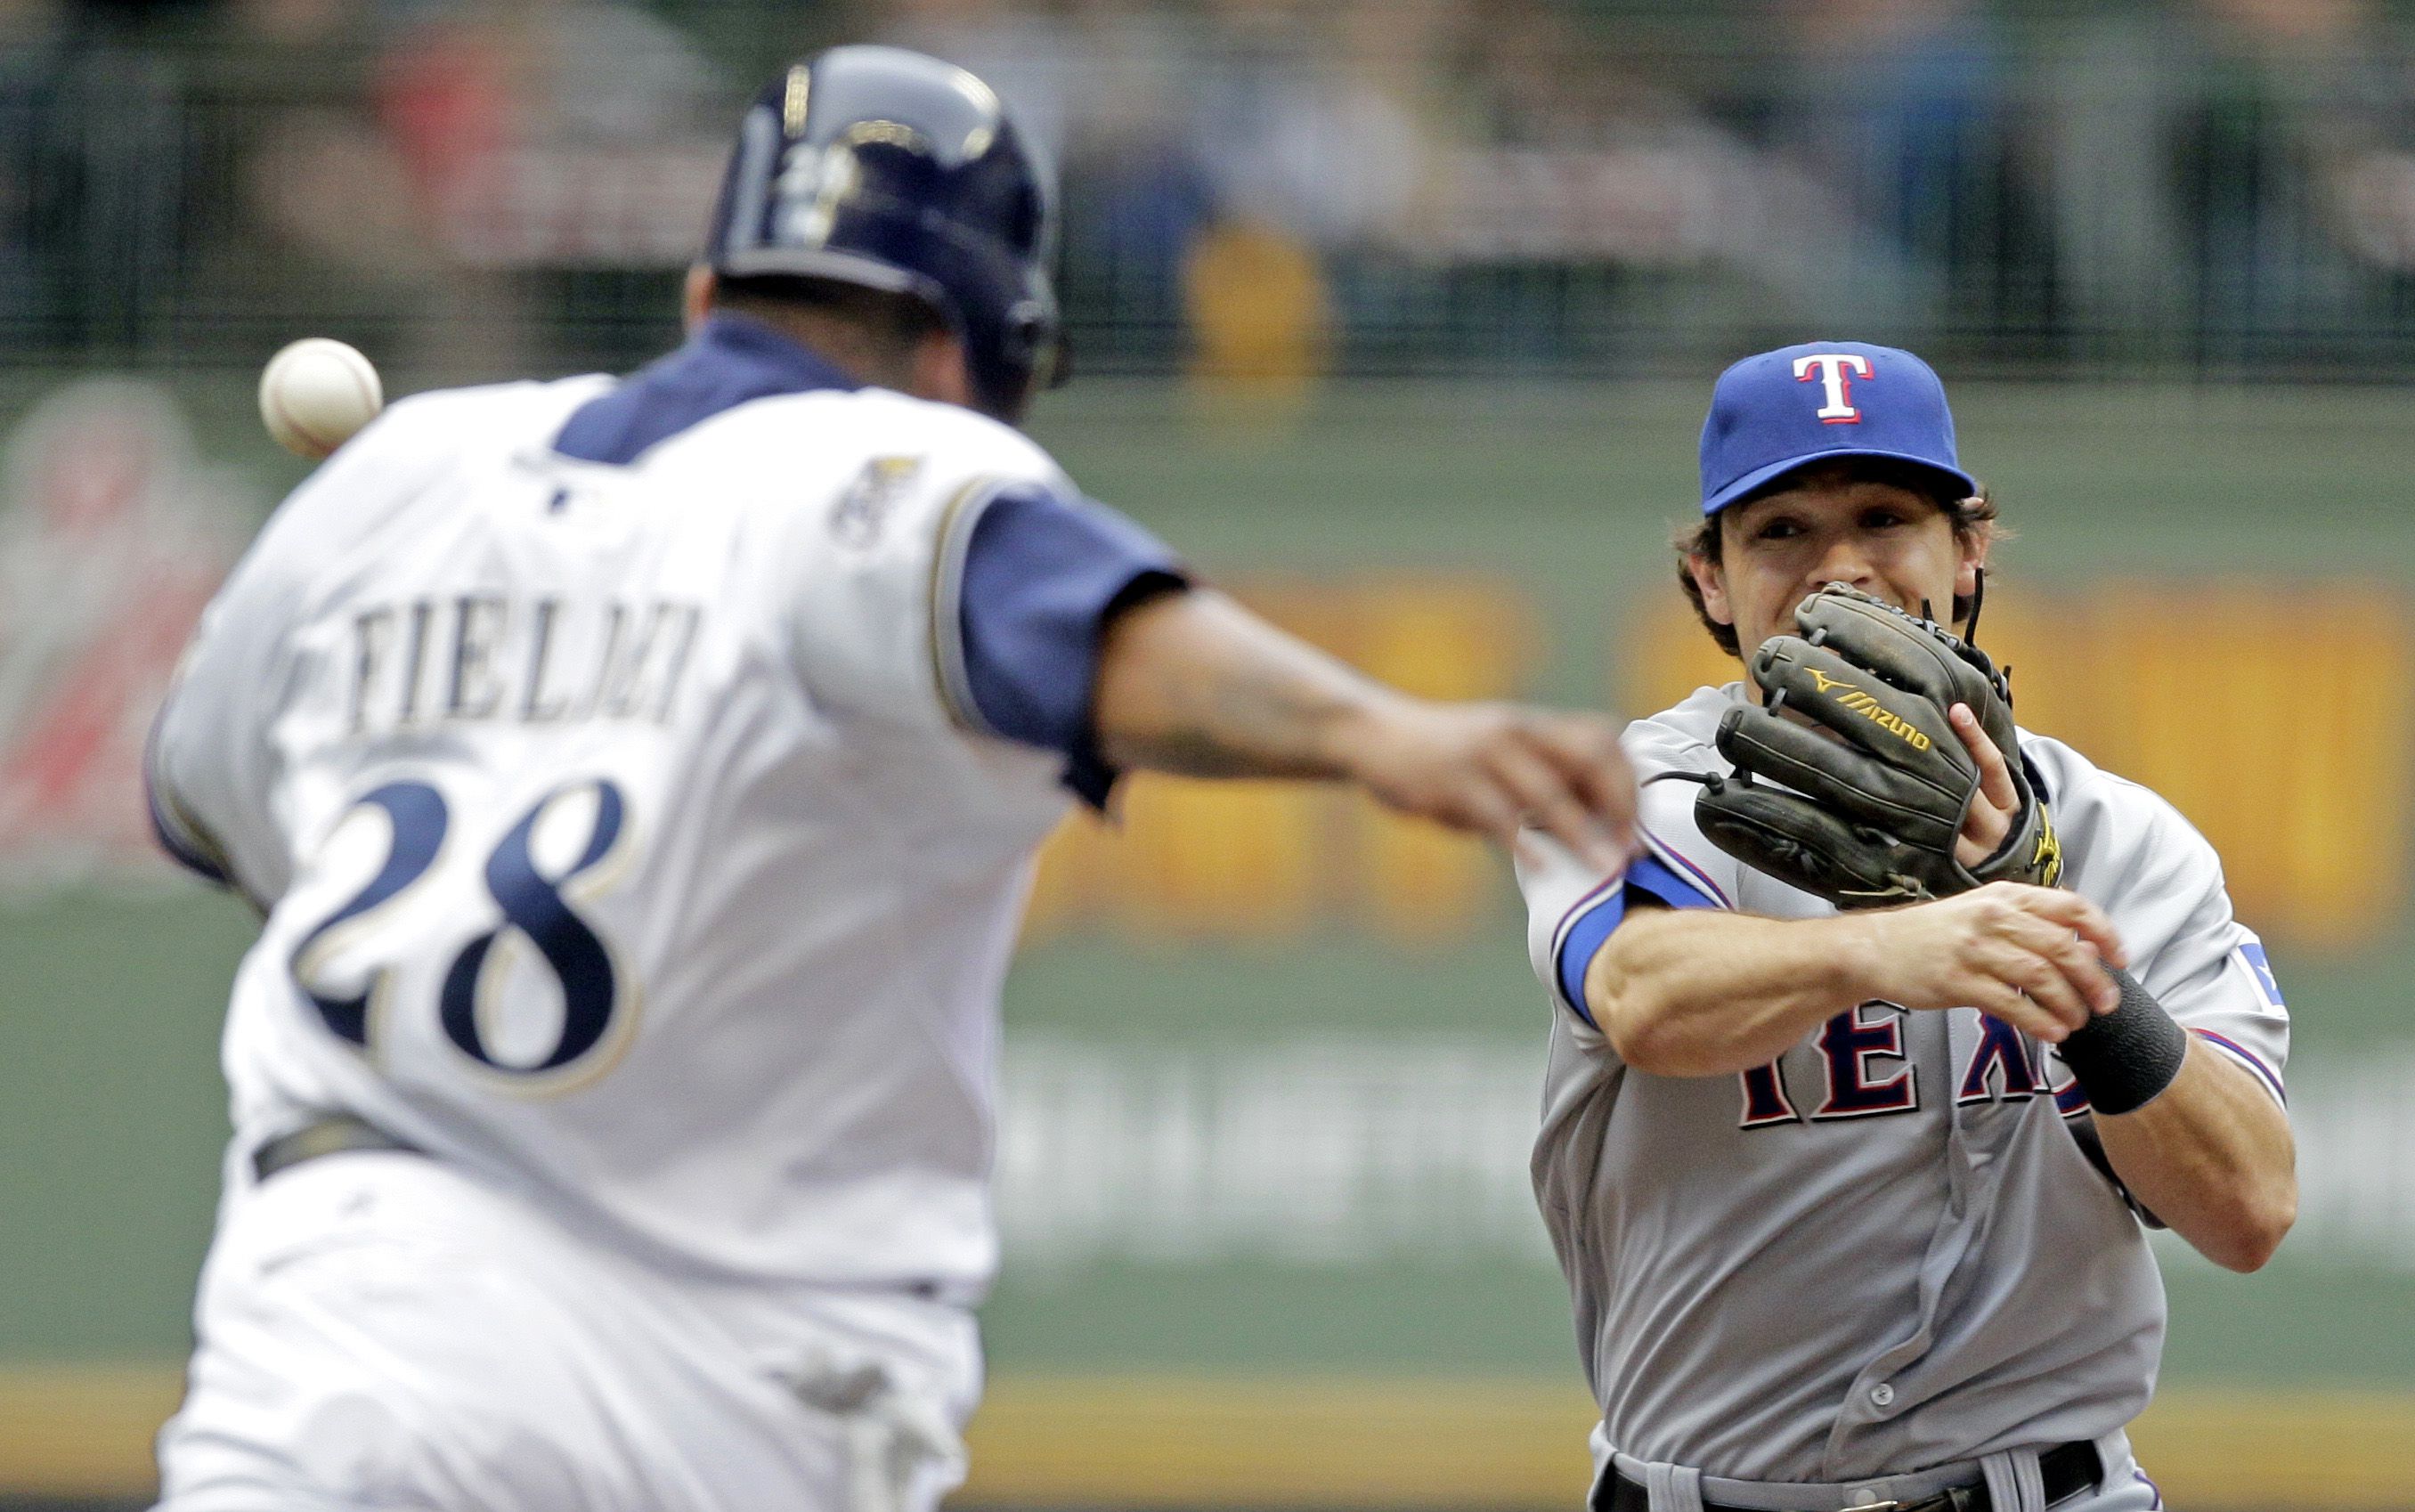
(1696, 993)
(2211, 1157)
(1699, 992)
(1196, 684)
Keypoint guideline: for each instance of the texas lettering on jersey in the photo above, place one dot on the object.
(2003, 1066)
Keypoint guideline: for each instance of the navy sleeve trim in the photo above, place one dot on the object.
(1027, 582)
(1589, 926)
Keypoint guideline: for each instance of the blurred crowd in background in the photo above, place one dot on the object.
(1268, 188)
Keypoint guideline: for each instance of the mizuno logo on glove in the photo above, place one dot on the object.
(1843, 815)
(1868, 706)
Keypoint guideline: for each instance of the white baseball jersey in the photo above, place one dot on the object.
(1883, 1250)
(632, 833)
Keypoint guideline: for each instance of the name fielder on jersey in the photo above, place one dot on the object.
(533, 661)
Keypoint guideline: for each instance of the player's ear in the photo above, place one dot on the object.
(1970, 557)
(696, 299)
(939, 370)
(1711, 581)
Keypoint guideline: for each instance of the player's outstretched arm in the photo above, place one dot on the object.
(1707, 993)
(1194, 683)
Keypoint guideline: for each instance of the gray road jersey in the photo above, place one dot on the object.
(1885, 1252)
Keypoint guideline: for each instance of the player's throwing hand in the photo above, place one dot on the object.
(2027, 954)
(1495, 769)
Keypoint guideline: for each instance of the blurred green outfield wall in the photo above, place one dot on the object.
(1306, 1155)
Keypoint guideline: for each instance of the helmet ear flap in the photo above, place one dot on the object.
(1059, 371)
(1027, 335)
(1034, 340)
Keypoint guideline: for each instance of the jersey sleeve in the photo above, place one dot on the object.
(974, 604)
(1572, 909)
(175, 800)
(2162, 884)
(1042, 577)
(209, 763)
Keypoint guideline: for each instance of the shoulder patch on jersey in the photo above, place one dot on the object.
(863, 507)
(2259, 965)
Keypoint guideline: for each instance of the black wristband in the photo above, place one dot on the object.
(2125, 1058)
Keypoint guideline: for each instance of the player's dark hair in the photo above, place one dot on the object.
(1969, 515)
(890, 325)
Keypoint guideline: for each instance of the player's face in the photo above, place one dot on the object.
(1832, 527)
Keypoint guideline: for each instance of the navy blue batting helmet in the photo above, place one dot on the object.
(884, 168)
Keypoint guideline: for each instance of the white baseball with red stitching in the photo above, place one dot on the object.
(316, 393)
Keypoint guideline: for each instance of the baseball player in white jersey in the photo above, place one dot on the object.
(1836, 1237)
(639, 781)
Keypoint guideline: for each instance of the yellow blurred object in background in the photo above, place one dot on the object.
(1258, 310)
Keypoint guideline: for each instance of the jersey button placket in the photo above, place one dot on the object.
(1883, 1396)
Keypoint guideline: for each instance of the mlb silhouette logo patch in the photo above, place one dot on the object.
(1836, 371)
(2260, 966)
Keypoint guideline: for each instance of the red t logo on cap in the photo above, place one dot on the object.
(1840, 409)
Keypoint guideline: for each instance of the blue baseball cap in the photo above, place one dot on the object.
(1799, 405)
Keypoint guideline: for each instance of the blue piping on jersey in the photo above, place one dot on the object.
(729, 361)
(2255, 1062)
(1583, 939)
(1701, 879)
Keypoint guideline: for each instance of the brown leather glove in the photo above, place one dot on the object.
(1876, 783)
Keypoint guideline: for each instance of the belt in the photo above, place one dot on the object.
(2067, 1469)
(331, 1133)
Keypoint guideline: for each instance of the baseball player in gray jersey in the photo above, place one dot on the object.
(1867, 1073)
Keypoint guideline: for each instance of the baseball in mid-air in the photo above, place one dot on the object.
(316, 393)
